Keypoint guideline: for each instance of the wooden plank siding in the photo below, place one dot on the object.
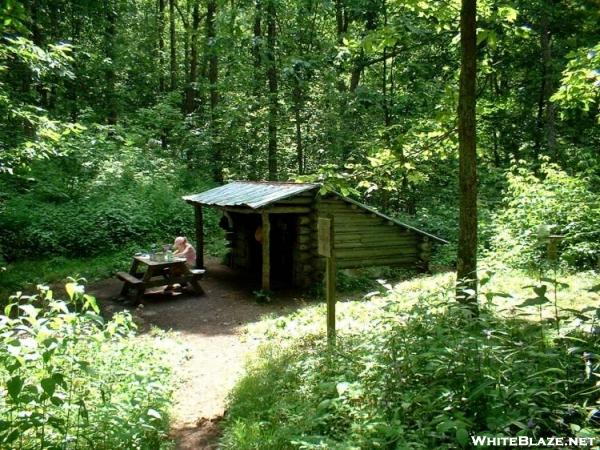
(365, 239)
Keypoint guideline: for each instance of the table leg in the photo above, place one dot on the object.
(132, 271)
(196, 286)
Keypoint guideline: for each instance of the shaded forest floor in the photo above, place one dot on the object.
(212, 329)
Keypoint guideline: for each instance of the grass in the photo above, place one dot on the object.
(411, 370)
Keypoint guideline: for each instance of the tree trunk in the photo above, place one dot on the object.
(297, 99)
(341, 28)
(73, 85)
(273, 89)
(548, 118)
(254, 146)
(110, 31)
(213, 78)
(466, 273)
(190, 90)
(384, 82)
(173, 44)
(161, 45)
(257, 48)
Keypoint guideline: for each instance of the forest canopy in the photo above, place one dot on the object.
(126, 98)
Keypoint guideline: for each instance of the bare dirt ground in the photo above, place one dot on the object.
(212, 328)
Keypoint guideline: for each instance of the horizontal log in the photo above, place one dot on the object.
(305, 231)
(348, 233)
(288, 210)
(295, 201)
(305, 238)
(373, 241)
(357, 222)
(376, 252)
(362, 262)
(306, 268)
(305, 220)
(396, 243)
(240, 210)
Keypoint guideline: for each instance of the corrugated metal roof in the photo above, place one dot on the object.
(256, 194)
(248, 193)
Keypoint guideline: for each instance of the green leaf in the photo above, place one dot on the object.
(540, 290)
(11, 437)
(462, 436)
(551, 370)
(70, 288)
(508, 13)
(534, 301)
(154, 413)
(14, 387)
(91, 303)
(48, 385)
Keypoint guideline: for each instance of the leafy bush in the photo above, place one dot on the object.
(108, 190)
(552, 198)
(97, 225)
(70, 380)
(422, 375)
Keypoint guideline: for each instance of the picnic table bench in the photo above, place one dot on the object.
(159, 273)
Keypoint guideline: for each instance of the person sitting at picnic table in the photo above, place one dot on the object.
(183, 249)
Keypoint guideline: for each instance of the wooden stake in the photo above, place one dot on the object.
(331, 288)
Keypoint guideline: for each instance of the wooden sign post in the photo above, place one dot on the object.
(327, 249)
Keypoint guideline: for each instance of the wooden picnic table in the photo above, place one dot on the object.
(159, 273)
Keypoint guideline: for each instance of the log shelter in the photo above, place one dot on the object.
(271, 228)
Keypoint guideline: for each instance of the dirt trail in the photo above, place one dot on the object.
(212, 328)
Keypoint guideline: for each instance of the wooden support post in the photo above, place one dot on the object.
(326, 248)
(199, 236)
(331, 282)
(266, 252)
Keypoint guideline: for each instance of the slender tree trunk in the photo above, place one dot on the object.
(37, 35)
(548, 119)
(161, 45)
(257, 48)
(173, 44)
(466, 273)
(73, 85)
(341, 28)
(254, 146)
(297, 100)
(213, 78)
(110, 31)
(273, 88)
(191, 91)
(384, 82)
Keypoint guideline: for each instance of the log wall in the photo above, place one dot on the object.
(364, 239)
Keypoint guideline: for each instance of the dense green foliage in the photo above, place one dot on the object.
(553, 199)
(411, 370)
(72, 380)
(111, 111)
(111, 108)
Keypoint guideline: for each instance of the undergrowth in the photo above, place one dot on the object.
(412, 370)
(70, 380)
